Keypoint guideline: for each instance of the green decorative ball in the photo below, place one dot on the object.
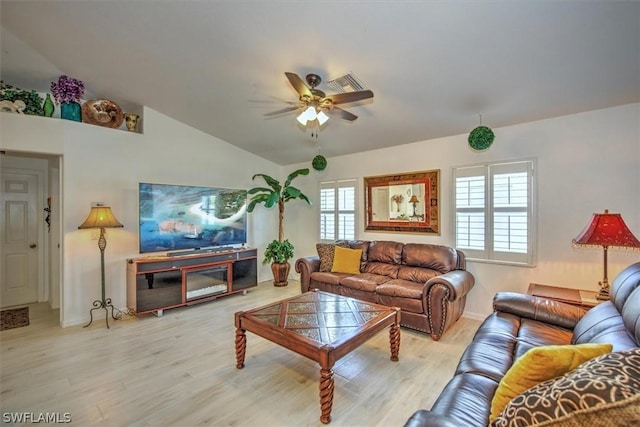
(481, 138)
(319, 163)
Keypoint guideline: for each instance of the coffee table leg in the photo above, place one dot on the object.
(394, 339)
(326, 395)
(241, 347)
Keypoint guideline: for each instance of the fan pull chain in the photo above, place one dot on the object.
(317, 132)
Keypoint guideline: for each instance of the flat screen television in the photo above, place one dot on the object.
(179, 217)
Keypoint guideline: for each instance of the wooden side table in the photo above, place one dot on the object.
(579, 297)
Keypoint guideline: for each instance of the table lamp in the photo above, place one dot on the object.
(101, 217)
(606, 229)
(414, 200)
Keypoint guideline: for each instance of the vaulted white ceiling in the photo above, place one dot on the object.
(433, 66)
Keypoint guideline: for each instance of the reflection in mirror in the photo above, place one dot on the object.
(397, 202)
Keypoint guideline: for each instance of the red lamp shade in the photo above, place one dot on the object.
(607, 229)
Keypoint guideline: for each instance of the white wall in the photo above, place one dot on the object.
(105, 165)
(586, 163)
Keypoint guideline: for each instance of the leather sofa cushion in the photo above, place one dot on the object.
(534, 333)
(407, 305)
(381, 269)
(502, 338)
(364, 282)
(436, 257)
(625, 295)
(402, 289)
(603, 324)
(490, 352)
(330, 278)
(357, 244)
(416, 274)
(385, 252)
(467, 399)
(403, 294)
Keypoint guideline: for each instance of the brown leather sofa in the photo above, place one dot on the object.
(521, 322)
(428, 283)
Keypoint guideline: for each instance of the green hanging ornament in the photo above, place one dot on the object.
(481, 138)
(319, 162)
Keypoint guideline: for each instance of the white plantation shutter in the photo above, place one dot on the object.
(470, 209)
(494, 214)
(337, 210)
(327, 213)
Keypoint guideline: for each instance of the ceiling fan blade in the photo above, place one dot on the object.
(343, 98)
(282, 111)
(298, 84)
(273, 100)
(344, 114)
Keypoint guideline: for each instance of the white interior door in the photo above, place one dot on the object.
(19, 239)
(381, 204)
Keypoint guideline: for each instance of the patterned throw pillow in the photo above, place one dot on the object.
(606, 388)
(541, 364)
(326, 252)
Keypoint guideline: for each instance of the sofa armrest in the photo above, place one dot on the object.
(445, 299)
(457, 283)
(306, 266)
(538, 308)
(424, 418)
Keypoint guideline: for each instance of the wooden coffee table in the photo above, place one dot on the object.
(321, 326)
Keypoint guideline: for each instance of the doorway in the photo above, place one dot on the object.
(30, 224)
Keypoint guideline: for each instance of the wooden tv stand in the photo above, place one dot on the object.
(157, 283)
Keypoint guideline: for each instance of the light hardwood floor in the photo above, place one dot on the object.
(179, 370)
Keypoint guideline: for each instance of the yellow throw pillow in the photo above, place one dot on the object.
(346, 260)
(540, 364)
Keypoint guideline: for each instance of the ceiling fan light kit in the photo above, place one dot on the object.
(315, 104)
(311, 114)
(307, 115)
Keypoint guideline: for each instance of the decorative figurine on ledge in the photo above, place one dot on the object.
(131, 121)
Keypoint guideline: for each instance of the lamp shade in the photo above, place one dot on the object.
(322, 118)
(307, 115)
(101, 217)
(607, 229)
(414, 199)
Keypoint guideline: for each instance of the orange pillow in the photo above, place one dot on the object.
(346, 260)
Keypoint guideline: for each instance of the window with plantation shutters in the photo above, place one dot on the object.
(338, 210)
(494, 212)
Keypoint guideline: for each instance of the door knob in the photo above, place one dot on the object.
(33, 246)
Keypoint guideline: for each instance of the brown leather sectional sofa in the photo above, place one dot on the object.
(521, 322)
(428, 283)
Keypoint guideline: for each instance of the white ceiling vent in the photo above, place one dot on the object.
(346, 83)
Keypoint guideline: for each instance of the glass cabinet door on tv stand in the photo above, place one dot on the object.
(162, 282)
(202, 282)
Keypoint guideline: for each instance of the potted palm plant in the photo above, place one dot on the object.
(278, 252)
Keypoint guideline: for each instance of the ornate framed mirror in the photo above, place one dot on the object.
(407, 202)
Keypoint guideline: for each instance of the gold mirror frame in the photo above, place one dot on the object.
(397, 202)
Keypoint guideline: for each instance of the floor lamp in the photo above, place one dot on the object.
(101, 217)
(606, 230)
